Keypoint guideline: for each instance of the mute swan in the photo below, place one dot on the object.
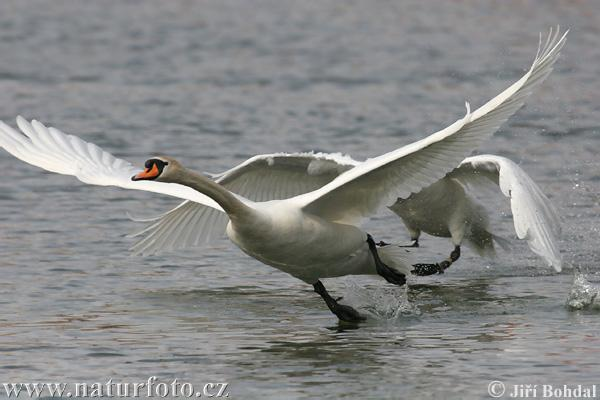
(312, 235)
(448, 209)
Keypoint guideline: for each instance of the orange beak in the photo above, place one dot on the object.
(147, 174)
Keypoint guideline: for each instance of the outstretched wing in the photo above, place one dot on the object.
(378, 182)
(281, 175)
(534, 217)
(55, 151)
(260, 178)
(188, 225)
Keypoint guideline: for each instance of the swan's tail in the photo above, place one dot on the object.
(396, 257)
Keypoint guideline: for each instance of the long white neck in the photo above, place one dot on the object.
(232, 205)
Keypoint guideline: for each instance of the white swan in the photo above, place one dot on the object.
(312, 235)
(448, 209)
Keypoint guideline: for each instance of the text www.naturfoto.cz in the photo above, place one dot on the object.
(150, 388)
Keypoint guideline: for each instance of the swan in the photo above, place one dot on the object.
(313, 235)
(448, 208)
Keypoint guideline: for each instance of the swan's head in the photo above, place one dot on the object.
(156, 169)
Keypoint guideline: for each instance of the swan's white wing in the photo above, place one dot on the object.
(281, 176)
(534, 217)
(261, 178)
(378, 182)
(188, 225)
(55, 151)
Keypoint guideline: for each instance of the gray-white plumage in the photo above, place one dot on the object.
(448, 208)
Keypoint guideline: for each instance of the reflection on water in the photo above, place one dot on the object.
(213, 84)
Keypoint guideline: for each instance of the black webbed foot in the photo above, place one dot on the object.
(428, 269)
(438, 268)
(347, 313)
(389, 274)
(343, 312)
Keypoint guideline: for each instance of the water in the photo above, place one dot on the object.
(583, 293)
(213, 83)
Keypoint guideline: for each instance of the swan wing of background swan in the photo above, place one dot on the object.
(276, 176)
(534, 217)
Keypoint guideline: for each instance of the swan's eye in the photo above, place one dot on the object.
(153, 168)
(160, 164)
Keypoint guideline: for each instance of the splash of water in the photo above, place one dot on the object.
(383, 303)
(583, 294)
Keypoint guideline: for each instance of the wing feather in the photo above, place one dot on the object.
(380, 181)
(534, 217)
(192, 225)
(55, 151)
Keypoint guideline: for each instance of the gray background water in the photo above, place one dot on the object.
(213, 83)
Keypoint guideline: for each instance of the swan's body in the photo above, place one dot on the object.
(280, 234)
(300, 244)
(311, 235)
(448, 209)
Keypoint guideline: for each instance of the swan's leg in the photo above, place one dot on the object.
(415, 243)
(438, 268)
(415, 234)
(390, 275)
(344, 313)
